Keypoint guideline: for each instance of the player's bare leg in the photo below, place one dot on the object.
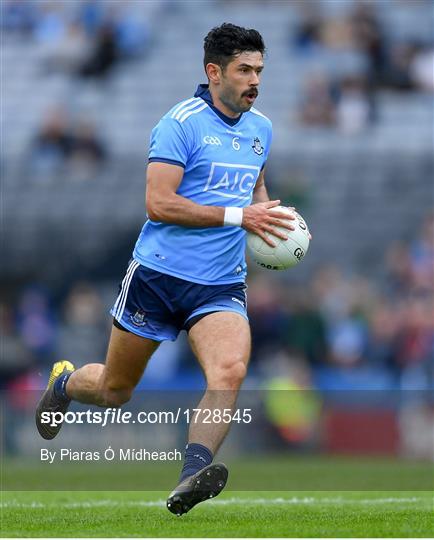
(107, 385)
(111, 384)
(221, 343)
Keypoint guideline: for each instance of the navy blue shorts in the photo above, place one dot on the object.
(158, 306)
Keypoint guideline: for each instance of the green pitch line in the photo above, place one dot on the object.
(280, 473)
(233, 514)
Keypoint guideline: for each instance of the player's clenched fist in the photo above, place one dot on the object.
(262, 218)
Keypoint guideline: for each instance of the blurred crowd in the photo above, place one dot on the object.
(86, 39)
(344, 57)
(352, 322)
(335, 322)
(350, 57)
(66, 145)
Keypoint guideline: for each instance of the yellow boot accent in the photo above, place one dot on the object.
(58, 369)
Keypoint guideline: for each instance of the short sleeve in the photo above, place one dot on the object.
(169, 143)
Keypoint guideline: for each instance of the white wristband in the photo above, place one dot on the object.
(233, 216)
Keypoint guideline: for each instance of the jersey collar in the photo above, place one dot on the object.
(204, 93)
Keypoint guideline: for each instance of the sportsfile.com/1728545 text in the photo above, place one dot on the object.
(113, 416)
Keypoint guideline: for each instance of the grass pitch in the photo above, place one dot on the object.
(329, 497)
(233, 514)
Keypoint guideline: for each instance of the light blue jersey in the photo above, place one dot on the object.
(222, 159)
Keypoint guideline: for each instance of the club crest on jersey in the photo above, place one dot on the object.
(139, 318)
(257, 146)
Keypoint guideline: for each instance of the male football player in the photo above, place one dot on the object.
(205, 189)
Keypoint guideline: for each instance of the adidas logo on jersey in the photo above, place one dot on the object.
(208, 139)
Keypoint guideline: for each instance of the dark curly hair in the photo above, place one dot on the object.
(225, 42)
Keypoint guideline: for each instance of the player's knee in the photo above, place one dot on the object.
(238, 373)
(116, 397)
(230, 376)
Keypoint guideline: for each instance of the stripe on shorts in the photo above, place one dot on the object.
(115, 307)
(122, 298)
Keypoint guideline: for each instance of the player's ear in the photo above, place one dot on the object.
(213, 72)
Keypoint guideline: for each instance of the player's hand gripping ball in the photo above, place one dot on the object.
(287, 253)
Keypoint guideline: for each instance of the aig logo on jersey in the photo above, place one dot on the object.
(208, 139)
(257, 146)
(232, 180)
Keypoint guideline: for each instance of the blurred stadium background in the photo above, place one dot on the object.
(349, 87)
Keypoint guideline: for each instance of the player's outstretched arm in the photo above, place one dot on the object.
(165, 205)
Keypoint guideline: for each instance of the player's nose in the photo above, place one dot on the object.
(254, 79)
